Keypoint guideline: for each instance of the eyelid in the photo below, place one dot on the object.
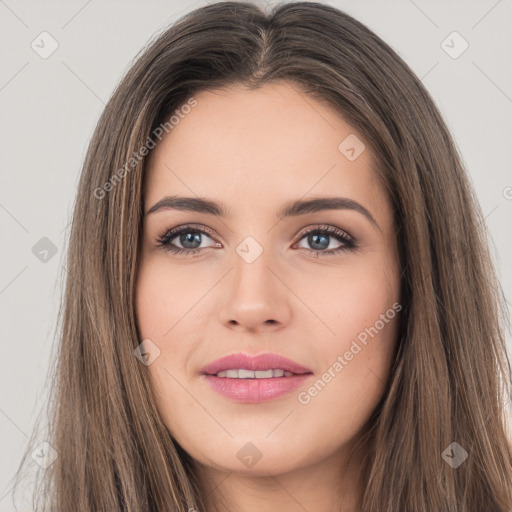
(169, 234)
(326, 228)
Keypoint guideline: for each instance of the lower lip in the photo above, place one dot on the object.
(253, 391)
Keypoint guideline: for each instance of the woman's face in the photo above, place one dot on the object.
(260, 282)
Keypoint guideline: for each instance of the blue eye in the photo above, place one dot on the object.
(319, 239)
(188, 237)
(191, 238)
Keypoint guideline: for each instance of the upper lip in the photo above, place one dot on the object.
(259, 362)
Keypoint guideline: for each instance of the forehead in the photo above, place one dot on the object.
(252, 146)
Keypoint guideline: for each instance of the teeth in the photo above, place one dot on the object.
(242, 373)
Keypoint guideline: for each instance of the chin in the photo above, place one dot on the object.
(254, 458)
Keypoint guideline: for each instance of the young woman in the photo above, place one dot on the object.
(279, 293)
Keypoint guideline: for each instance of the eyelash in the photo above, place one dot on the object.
(164, 240)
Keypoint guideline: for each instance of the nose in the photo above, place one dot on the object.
(256, 299)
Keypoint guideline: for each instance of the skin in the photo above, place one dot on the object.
(253, 151)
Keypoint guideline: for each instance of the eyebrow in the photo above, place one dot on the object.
(290, 209)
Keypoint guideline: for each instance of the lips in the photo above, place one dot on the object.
(246, 379)
(259, 363)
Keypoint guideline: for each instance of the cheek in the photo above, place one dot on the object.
(348, 300)
(166, 294)
(359, 309)
(171, 304)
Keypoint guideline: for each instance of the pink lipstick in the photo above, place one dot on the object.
(255, 379)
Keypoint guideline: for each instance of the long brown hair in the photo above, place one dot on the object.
(451, 378)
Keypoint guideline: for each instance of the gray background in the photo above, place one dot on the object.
(49, 108)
